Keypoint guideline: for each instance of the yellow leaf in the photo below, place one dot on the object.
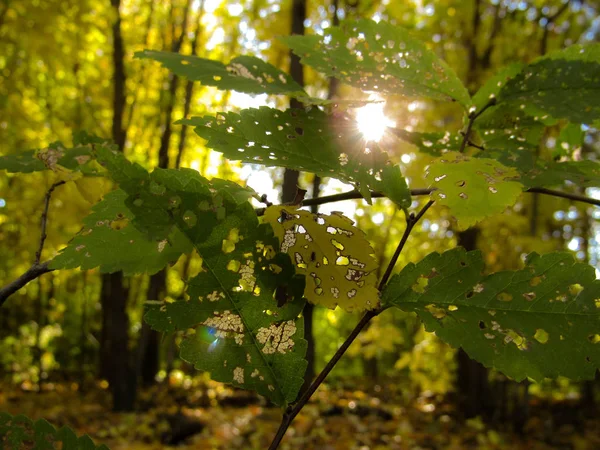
(335, 257)
(92, 188)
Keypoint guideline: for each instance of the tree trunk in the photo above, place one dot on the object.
(114, 353)
(148, 347)
(116, 362)
(475, 396)
(290, 183)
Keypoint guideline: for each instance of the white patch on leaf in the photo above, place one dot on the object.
(277, 338)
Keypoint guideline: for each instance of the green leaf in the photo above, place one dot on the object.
(473, 188)
(21, 162)
(336, 257)
(247, 74)
(580, 173)
(109, 241)
(506, 121)
(564, 84)
(18, 432)
(235, 328)
(56, 158)
(310, 141)
(494, 84)
(541, 321)
(435, 143)
(570, 139)
(379, 57)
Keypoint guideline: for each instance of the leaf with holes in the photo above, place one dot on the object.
(247, 74)
(235, 329)
(109, 241)
(335, 256)
(435, 143)
(489, 91)
(18, 432)
(327, 145)
(510, 121)
(379, 57)
(564, 84)
(473, 188)
(581, 173)
(55, 157)
(541, 321)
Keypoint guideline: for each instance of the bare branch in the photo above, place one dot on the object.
(292, 412)
(411, 221)
(44, 220)
(32, 273)
(355, 195)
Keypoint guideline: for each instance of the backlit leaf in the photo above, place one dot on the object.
(335, 256)
(541, 321)
(435, 144)
(328, 145)
(473, 188)
(234, 327)
(565, 84)
(109, 241)
(379, 57)
(247, 74)
(494, 84)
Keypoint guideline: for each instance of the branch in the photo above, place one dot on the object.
(473, 115)
(568, 196)
(411, 221)
(38, 254)
(35, 271)
(355, 195)
(293, 411)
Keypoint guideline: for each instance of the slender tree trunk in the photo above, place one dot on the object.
(149, 343)
(475, 395)
(189, 88)
(290, 181)
(148, 347)
(115, 355)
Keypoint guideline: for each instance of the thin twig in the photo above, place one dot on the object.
(567, 195)
(35, 271)
(473, 115)
(293, 411)
(355, 195)
(411, 221)
(44, 220)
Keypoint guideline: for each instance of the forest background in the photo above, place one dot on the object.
(73, 344)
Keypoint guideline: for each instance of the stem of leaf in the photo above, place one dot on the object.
(411, 221)
(292, 412)
(472, 118)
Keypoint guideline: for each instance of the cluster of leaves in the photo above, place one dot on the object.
(242, 311)
(19, 431)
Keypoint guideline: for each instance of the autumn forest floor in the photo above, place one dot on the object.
(211, 416)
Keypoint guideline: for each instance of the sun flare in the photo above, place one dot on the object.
(371, 120)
